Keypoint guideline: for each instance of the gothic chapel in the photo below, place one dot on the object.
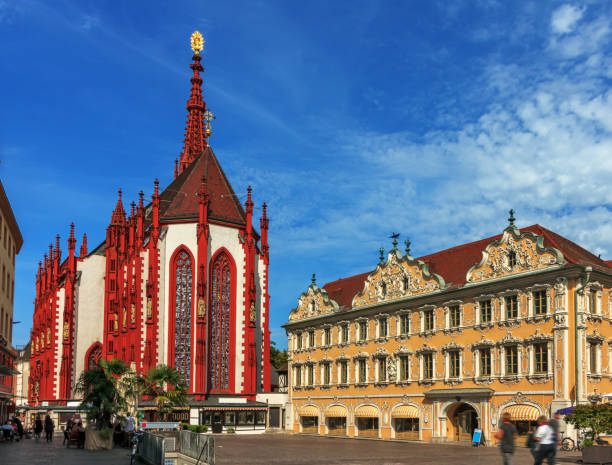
(181, 281)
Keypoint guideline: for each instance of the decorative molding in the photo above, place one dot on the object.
(314, 302)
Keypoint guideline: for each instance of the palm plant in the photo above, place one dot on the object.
(165, 385)
(101, 396)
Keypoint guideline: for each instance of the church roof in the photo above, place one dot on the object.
(453, 264)
(180, 199)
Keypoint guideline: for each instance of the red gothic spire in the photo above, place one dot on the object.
(118, 217)
(71, 239)
(198, 126)
(83, 251)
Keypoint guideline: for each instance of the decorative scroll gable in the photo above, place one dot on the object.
(314, 302)
(397, 278)
(512, 254)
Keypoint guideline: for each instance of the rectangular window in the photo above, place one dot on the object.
(311, 339)
(593, 358)
(512, 360)
(326, 373)
(112, 265)
(112, 285)
(363, 330)
(404, 323)
(344, 372)
(298, 340)
(593, 301)
(511, 307)
(383, 327)
(362, 370)
(541, 357)
(485, 362)
(345, 333)
(427, 366)
(310, 369)
(327, 336)
(454, 316)
(539, 303)
(485, 311)
(404, 368)
(382, 370)
(454, 364)
(428, 320)
(298, 376)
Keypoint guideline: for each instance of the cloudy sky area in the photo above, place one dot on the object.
(351, 119)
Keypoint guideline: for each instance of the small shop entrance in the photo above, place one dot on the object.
(464, 421)
(406, 428)
(336, 426)
(310, 424)
(367, 427)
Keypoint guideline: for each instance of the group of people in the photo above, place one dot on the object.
(75, 431)
(123, 430)
(542, 443)
(48, 426)
(12, 429)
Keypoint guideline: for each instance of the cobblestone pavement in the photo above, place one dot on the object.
(286, 449)
(38, 452)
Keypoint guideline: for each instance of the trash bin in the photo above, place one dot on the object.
(217, 427)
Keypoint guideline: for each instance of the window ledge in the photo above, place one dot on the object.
(402, 337)
(361, 343)
(403, 382)
(509, 379)
(483, 380)
(361, 384)
(383, 339)
(453, 381)
(343, 386)
(539, 378)
(427, 381)
(381, 383)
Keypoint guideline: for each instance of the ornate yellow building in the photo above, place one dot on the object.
(432, 348)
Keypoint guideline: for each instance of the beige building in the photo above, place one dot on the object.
(437, 347)
(20, 380)
(10, 244)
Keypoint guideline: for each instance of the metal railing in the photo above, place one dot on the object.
(151, 448)
(198, 446)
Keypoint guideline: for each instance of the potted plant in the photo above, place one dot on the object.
(102, 400)
(594, 419)
(165, 385)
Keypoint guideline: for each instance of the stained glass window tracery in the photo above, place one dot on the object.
(94, 357)
(182, 322)
(220, 323)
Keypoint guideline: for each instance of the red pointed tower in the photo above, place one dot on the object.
(198, 118)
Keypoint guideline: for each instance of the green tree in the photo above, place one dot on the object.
(277, 357)
(595, 419)
(165, 385)
(102, 397)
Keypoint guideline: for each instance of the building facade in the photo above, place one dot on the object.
(435, 347)
(21, 377)
(10, 244)
(181, 281)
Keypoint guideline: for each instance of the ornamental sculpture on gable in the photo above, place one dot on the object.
(514, 253)
(314, 302)
(397, 278)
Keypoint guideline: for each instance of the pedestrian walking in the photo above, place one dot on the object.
(506, 435)
(556, 424)
(38, 427)
(49, 427)
(546, 443)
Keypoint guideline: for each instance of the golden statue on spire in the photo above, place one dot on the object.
(197, 42)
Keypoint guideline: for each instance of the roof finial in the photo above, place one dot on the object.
(511, 219)
(314, 280)
(382, 254)
(394, 236)
(407, 244)
(197, 42)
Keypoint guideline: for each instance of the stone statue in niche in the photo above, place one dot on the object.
(124, 317)
(66, 330)
(133, 314)
(392, 369)
(252, 312)
(48, 336)
(116, 321)
(201, 307)
(149, 307)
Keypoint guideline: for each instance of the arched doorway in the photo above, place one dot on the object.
(464, 420)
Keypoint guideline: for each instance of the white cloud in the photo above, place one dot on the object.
(565, 18)
(88, 22)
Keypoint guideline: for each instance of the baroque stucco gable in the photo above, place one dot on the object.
(529, 254)
(397, 278)
(313, 302)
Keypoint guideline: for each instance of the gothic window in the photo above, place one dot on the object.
(93, 357)
(183, 267)
(220, 326)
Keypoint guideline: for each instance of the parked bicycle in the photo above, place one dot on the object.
(135, 441)
(568, 444)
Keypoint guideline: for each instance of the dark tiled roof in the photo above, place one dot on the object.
(180, 199)
(453, 264)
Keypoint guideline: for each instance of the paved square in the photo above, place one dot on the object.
(286, 449)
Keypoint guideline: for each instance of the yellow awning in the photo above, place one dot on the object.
(309, 411)
(522, 412)
(366, 411)
(405, 411)
(335, 411)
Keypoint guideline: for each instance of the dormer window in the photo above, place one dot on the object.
(512, 259)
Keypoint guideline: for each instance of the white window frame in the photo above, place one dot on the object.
(598, 288)
(478, 308)
(531, 299)
(398, 325)
(424, 309)
(447, 375)
(518, 359)
(502, 304)
(447, 314)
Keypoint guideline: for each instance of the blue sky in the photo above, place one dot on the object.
(351, 119)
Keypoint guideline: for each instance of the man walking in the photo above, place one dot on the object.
(546, 443)
(506, 435)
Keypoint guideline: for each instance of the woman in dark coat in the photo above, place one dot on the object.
(38, 427)
(49, 427)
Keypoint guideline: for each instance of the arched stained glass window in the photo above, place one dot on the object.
(182, 318)
(94, 356)
(220, 322)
